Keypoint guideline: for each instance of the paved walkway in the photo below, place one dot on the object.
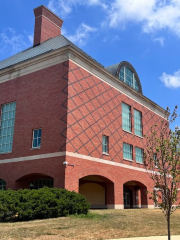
(175, 237)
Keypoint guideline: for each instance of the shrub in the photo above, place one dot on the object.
(43, 203)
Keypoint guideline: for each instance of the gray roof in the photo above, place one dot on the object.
(45, 47)
(113, 68)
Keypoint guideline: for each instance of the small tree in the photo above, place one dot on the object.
(162, 161)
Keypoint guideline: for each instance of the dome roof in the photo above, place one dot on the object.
(116, 68)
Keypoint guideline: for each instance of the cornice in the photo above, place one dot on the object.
(114, 81)
(70, 53)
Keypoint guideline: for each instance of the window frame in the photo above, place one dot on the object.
(7, 129)
(124, 117)
(155, 160)
(141, 125)
(2, 185)
(142, 154)
(105, 144)
(38, 147)
(129, 159)
(124, 72)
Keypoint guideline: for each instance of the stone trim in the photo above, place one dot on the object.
(49, 20)
(70, 53)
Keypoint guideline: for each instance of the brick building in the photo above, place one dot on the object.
(68, 122)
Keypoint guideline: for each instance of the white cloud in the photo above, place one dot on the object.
(10, 38)
(111, 39)
(31, 38)
(82, 34)
(160, 40)
(151, 14)
(63, 8)
(171, 81)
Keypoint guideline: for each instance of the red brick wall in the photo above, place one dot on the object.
(115, 174)
(95, 109)
(52, 167)
(41, 102)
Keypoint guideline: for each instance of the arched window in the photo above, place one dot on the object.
(2, 185)
(40, 183)
(127, 76)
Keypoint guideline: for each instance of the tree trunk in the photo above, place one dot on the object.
(168, 226)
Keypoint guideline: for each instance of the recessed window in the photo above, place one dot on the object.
(2, 185)
(139, 155)
(127, 76)
(105, 143)
(7, 127)
(36, 138)
(155, 160)
(138, 122)
(40, 183)
(126, 117)
(127, 151)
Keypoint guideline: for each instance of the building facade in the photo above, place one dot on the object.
(68, 122)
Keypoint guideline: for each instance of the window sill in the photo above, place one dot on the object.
(140, 163)
(107, 154)
(35, 148)
(128, 160)
(138, 136)
(127, 131)
(1, 153)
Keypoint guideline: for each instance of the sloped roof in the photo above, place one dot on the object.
(45, 47)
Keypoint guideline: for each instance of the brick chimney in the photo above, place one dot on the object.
(47, 25)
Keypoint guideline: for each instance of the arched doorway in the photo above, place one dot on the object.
(135, 195)
(99, 191)
(34, 181)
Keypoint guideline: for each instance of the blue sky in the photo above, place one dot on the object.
(145, 33)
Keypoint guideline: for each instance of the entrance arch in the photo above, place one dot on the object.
(135, 195)
(34, 181)
(98, 190)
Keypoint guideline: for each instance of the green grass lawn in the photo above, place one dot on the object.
(97, 225)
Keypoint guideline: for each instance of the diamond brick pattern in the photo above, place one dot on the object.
(94, 109)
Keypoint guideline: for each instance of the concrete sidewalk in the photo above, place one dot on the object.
(175, 237)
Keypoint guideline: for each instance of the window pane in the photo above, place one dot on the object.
(2, 185)
(7, 127)
(127, 76)
(36, 138)
(35, 133)
(139, 155)
(138, 122)
(39, 183)
(35, 142)
(121, 74)
(127, 151)
(126, 117)
(105, 141)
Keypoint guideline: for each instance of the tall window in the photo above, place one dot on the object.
(127, 76)
(7, 127)
(105, 143)
(126, 117)
(139, 155)
(2, 185)
(36, 138)
(155, 159)
(127, 151)
(138, 122)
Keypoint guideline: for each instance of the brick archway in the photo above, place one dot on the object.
(26, 180)
(98, 190)
(135, 194)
